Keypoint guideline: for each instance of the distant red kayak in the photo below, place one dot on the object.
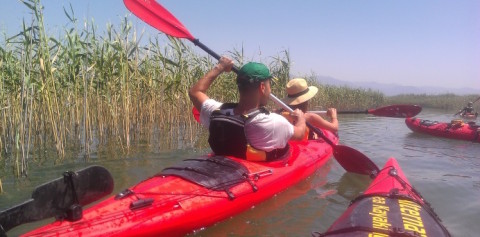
(169, 204)
(389, 207)
(462, 131)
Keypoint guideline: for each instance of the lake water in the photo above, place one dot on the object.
(446, 172)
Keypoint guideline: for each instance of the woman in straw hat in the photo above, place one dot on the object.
(298, 95)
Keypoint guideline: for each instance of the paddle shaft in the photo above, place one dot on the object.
(211, 52)
(394, 111)
(323, 112)
(476, 100)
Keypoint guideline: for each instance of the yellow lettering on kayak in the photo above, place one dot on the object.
(375, 234)
(409, 204)
(411, 218)
(379, 214)
(382, 210)
(378, 200)
(409, 212)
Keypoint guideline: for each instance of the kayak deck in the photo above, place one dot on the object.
(172, 206)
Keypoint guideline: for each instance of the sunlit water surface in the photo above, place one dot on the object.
(446, 172)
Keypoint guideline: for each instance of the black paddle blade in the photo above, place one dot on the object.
(354, 161)
(54, 198)
(397, 111)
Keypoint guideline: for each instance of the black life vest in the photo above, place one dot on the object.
(469, 110)
(227, 133)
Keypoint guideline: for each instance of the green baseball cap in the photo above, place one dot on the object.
(253, 72)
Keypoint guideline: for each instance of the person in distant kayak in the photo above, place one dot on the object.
(298, 95)
(468, 110)
(245, 129)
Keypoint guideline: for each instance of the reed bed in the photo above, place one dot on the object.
(105, 92)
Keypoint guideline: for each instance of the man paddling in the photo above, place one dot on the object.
(245, 129)
(468, 110)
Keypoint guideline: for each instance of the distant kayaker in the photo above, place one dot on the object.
(245, 129)
(468, 110)
(298, 95)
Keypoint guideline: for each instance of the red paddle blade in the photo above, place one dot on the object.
(196, 114)
(397, 111)
(158, 17)
(354, 161)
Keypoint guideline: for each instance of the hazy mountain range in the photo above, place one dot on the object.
(394, 89)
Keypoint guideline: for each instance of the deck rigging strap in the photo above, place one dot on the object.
(217, 173)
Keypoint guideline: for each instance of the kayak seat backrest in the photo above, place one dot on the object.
(216, 173)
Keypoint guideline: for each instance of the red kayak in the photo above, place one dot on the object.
(194, 194)
(455, 129)
(389, 207)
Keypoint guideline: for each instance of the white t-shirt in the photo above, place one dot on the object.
(265, 131)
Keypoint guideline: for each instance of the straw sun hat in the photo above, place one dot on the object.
(298, 91)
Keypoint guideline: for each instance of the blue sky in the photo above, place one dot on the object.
(415, 43)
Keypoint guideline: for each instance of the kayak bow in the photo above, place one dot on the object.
(389, 207)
